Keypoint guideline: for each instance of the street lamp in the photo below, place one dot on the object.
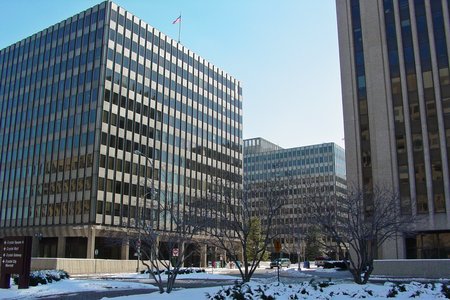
(138, 243)
(39, 236)
(149, 161)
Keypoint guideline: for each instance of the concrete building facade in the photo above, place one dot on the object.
(396, 101)
(303, 169)
(92, 110)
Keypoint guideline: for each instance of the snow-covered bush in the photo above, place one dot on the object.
(328, 290)
(180, 271)
(446, 290)
(44, 277)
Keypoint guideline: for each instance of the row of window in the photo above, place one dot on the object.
(36, 76)
(35, 109)
(359, 61)
(180, 106)
(130, 64)
(124, 210)
(41, 63)
(290, 154)
(148, 132)
(193, 94)
(80, 67)
(45, 190)
(49, 128)
(117, 164)
(121, 188)
(55, 146)
(421, 192)
(69, 164)
(177, 122)
(260, 163)
(298, 172)
(151, 35)
(64, 209)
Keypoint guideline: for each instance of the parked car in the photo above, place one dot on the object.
(321, 260)
(280, 262)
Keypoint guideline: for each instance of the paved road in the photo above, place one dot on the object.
(95, 295)
(292, 275)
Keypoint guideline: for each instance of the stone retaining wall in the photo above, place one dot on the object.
(86, 266)
(420, 268)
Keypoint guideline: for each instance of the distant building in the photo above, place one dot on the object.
(302, 168)
(396, 99)
(91, 110)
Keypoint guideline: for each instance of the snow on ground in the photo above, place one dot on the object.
(305, 290)
(68, 286)
(74, 285)
(294, 273)
(185, 294)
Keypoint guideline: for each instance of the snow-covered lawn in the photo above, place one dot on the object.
(74, 285)
(313, 289)
(68, 286)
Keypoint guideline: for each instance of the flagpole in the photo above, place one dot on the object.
(179, 29)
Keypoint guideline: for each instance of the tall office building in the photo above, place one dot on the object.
(396, 99)
(301, 170)
(105, 121)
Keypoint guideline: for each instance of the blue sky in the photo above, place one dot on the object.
(284, 52)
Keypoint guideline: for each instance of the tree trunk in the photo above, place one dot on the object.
(356, 273)
(158, 282)
(170, 282)
(368, 272)
(362, 272)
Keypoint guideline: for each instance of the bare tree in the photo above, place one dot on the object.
(297, 235)
(234, 234)
(161, 250)
(314, 243)
(167, 252)
(363, 221)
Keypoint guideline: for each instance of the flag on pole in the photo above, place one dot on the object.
(177, 20)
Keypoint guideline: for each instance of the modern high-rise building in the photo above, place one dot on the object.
(105, 121)
(396, 99)
(301, 170)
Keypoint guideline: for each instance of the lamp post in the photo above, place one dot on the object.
(138, 243)
(38, 236)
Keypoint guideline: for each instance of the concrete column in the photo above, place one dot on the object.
(222, 258)
(125, 250)
(203, 263)
(91, 243)
(35, 247)
(61, 247)
(215, 258)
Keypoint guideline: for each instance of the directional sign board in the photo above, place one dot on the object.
(13, 255)
(15, 259)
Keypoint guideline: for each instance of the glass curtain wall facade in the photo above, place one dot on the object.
(95, 111)
(407, 85)
(302, 169)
